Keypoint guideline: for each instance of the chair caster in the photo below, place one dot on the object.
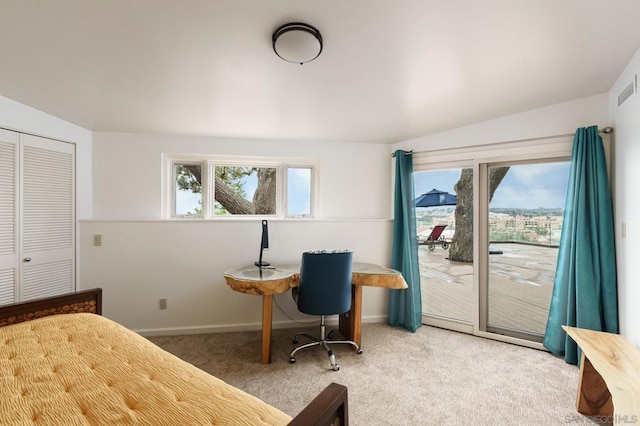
(359, 351)
(292, 360)
(295, 340)
(336, 367)
(331, 334)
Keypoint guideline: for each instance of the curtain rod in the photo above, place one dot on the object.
(607, 130)
(393, 154)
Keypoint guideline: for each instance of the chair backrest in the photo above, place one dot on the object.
(436, 232)
(325, 283)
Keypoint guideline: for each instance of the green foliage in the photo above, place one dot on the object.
(188, 178)
(197, 211)
(232, 176)
(541, 230)
(218, 210)
(510, 236)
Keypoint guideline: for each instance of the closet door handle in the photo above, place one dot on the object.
(26, 259)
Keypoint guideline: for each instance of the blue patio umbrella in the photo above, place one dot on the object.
(436, 198)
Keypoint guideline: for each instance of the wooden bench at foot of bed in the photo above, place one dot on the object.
(328, 408)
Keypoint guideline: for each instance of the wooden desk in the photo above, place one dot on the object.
(281, 278)
(609, 375)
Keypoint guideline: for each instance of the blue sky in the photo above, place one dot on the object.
(524, 186)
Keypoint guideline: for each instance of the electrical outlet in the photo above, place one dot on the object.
(163, 303)
(97, 240)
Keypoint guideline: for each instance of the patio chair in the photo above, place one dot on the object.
(435, 238)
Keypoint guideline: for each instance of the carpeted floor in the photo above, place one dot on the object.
(431, 377)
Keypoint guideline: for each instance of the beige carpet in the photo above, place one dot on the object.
(432, 377)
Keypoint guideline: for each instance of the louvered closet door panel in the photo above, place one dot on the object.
(47, 227)
(8, 216)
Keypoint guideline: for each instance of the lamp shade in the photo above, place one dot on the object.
(297, 42)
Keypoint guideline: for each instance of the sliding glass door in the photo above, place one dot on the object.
(525, 211)
(445, 246)
(488, 229)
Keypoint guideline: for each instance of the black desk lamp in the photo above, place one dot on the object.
(264, 244)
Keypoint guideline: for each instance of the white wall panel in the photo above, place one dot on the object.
(140, 262)
(626, 158)
(551, 120)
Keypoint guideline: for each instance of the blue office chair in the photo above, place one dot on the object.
(324, 289)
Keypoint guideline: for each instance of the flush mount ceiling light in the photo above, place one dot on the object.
(297, 42)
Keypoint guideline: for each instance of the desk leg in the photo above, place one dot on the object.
(356, 315)
(593, 397)
(351, 323)
(267, 312)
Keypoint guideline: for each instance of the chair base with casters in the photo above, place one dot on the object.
(325, 340)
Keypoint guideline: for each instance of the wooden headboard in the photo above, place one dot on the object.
(81, 301)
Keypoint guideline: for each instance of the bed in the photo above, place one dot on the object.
(61, 362)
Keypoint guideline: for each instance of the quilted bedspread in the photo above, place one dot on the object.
(83, 369)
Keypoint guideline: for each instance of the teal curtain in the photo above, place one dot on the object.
(405, 306)
(585, 289)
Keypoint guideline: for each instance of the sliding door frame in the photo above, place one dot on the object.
(555, 148)
(483, 252)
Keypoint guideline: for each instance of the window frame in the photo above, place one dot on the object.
(208, 164)
(312, 185)
(172, 190)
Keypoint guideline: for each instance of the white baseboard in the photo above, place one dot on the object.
(227, 328)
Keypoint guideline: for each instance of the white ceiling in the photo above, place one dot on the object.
(389, 71)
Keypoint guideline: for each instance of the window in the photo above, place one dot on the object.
(244, 190)
(213, 187)
(187, 191)
(299, 191)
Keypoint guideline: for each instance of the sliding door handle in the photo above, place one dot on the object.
(26, 259)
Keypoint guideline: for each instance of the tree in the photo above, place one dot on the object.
(264, 198)
(461, 249)
(229, 191)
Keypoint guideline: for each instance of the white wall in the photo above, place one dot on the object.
(626, 153)
(552, 120)
(143, 258)
(142, 261)
(354, 177)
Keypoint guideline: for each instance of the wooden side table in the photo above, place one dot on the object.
(609, 375)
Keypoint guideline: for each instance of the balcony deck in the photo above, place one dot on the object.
(520, 285)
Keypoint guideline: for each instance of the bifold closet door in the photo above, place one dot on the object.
(47, 217)
(8, 216)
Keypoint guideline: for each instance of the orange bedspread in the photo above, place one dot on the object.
(83, 369)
